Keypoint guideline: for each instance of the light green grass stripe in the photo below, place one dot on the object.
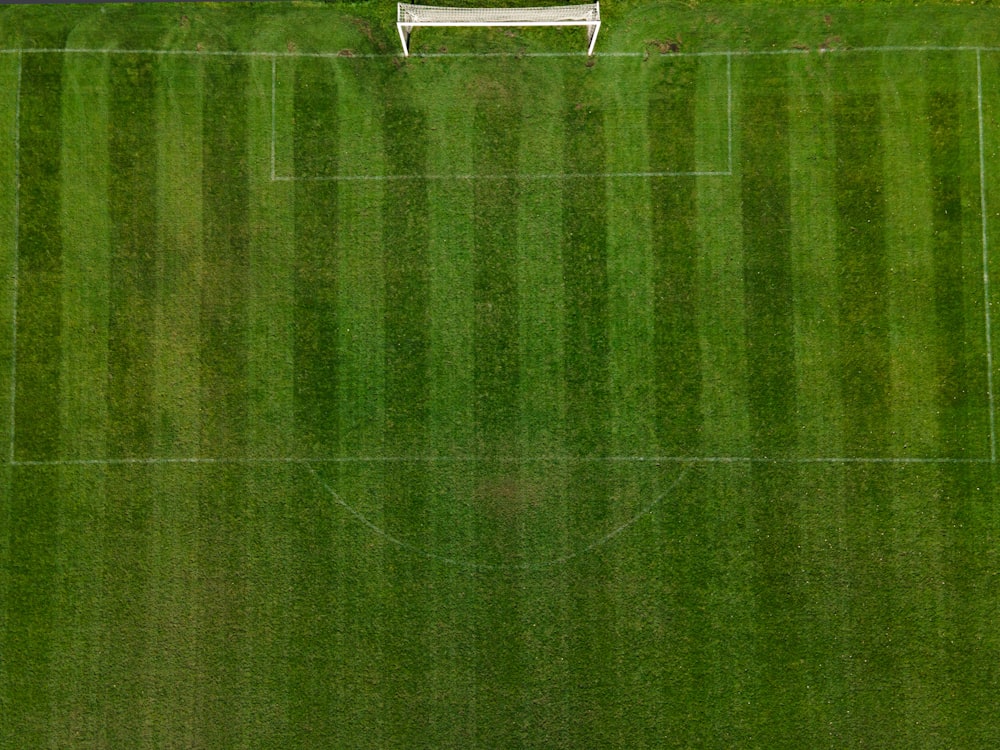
(989, 262)
(825, 597)
(814, 259)
(177, 336)
(630, 262)
(77, 655)
(721, 309)
(225, 597)
(451, 489)
(961, 398)
(10, 66)
(10, 70)
(86, 251)
(542, 316)
(271, 289)
(29, 640)
(175, 605)
(968, 643)
(906, 83)
(125, 577)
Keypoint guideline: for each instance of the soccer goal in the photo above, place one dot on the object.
(409, 16)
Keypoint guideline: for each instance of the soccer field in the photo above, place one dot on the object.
(498, 397)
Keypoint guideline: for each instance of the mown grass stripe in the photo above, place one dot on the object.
(813, 256)
(406, 271)
(39, 308)
(587, 399)
(86, 230)
(225, 600)
(180, 110)
(767, 278)
(671, 118)
(134, 248)
(172, 656)
(496, 124)
(126, 577)
(862, 313)
(968, 637)
(77, 648)
(271, 363)
(720, 312)
(316, 283)
(908, 187)
(952, 396)
(781, 634)
(29, 638)
(225, 259)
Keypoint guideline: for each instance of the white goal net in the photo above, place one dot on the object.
(408, 16)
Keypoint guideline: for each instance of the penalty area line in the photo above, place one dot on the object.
(250, 460)
(986, 259)
(16, 253)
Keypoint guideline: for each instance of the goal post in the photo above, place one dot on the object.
(409, 16)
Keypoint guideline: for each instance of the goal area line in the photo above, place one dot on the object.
(726, 171)
(444, 459)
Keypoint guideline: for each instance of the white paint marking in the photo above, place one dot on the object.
(729, 108)
(274, 88)
(474, 565)
(582, 55)
(251, 460)
(526, 176)
(986, 259)
(17, 239)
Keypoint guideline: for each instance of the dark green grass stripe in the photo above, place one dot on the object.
(585, 276)
(39, 313)
(407, 280)
(970, 560)
(780, 622)
(226, 259)
(953, 395)
(587, 400)
(497, 130)
(671, 120)
(767, 272)
(131, 194)
(311, 622)
(863, 305)
(872, 603)
(125, 578)
(224, 602)
(317, 369)
(500, 652)
(406, 270)
(32, 573)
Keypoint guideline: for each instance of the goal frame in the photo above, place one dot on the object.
(408, 17)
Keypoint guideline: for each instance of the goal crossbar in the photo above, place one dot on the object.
(409, 16)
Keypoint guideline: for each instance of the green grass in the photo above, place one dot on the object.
(361, 402)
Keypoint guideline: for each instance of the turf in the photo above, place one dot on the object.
(506, 400)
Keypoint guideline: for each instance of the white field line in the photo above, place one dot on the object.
(341, 54)
(745, 460)
(986, 258)
(729, 109)
(474, 565)
(727, 172)
(274, 108)
(16, 251)
(517, 176)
